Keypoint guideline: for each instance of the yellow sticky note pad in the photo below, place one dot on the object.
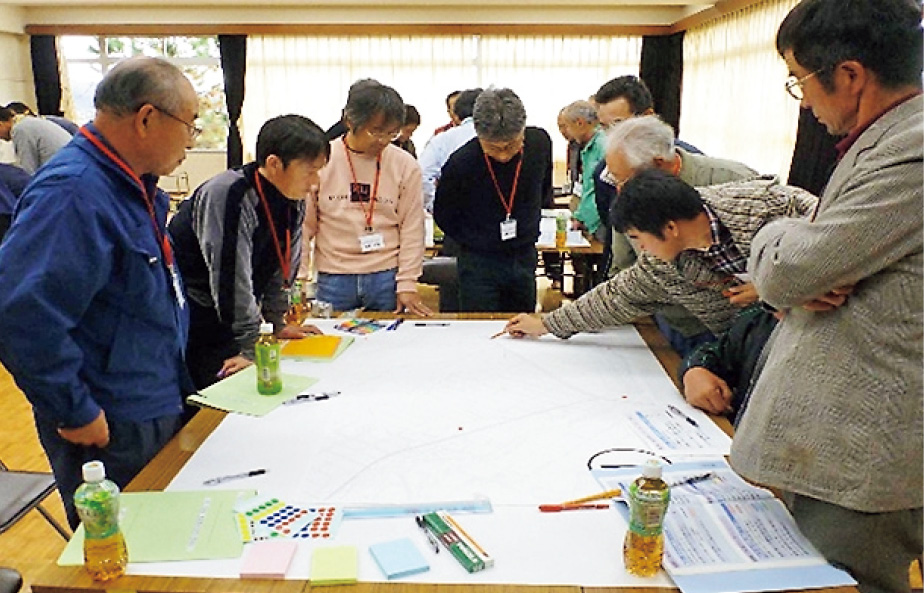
(334, 565)
(312, 347)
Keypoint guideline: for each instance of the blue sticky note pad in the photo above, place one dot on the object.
(398, 558)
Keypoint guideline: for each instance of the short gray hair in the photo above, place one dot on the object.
(581, 110)
(138, 81)
(369, 97)
(641, 140)
(499, 115)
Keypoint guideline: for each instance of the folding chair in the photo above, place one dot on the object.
(10, 580)
(22, 491)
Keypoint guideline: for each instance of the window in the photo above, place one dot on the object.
(89, 58)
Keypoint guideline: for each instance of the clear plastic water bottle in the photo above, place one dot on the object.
(105, 555)
(269, 381)
(648, 498)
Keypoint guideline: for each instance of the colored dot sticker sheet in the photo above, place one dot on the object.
(262, 518)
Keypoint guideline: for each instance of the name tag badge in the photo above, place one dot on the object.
(177, 289)
(508, 229)
(371, 242)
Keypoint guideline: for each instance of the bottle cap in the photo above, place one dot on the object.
(94, 471)
(651, 469)
(266, 328)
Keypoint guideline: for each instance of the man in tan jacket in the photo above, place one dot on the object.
(835, 419)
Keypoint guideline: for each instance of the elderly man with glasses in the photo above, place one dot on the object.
(835, 419)
(93, 318)
(645, 142)
(367, 219)
(490, 199)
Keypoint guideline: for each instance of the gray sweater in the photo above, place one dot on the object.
(36, 140)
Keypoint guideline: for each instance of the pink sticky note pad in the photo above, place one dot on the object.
(268, 559)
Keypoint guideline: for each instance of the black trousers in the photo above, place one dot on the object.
(499, 282)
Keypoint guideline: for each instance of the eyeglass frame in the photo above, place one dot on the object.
(193, 130)
(792, 83)
(389, 136)
(607, 177)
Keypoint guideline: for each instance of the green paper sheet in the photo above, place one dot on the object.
(170, 526)
(238, 393)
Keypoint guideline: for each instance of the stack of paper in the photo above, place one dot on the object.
(316, 348)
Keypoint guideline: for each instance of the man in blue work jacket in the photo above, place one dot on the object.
(92, 319)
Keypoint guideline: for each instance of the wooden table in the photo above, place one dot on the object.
(158, 474)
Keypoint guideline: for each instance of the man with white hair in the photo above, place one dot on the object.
(646, 142)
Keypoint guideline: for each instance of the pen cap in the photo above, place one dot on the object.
(266, 328)
(652, 469)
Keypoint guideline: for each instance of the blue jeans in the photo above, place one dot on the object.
(131, 446)
(497, 282)
(374, 292)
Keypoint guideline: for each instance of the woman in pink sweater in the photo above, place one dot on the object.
(367, 219)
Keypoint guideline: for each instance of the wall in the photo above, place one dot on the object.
(16, 75)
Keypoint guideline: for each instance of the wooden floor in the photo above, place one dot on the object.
(33, 542)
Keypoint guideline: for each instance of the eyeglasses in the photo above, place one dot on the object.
(793, 85)
(510, 145)
(384, 136)
(191, 129)
(606, 176)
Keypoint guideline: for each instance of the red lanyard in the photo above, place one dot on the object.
(508, 206)
(375, 186)
(285, 263)
(165, 248)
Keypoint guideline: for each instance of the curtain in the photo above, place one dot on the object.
(233, 49)
(814, 156)
(662, 70)
(734, 105)
(45, 74)
(311, 75)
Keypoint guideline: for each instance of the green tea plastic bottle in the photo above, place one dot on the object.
(97, 500)
(561, 231)
(648, 498)
(269, 381)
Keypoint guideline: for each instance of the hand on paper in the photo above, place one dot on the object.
(741, 295)
(706, 391)
(233, 365)
(94, 434)
(526, 325)
(297, 332)
(829, 301)
(410, 302)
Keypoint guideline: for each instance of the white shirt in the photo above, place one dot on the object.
(437, 152)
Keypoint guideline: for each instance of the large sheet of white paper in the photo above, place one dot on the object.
(439, 411)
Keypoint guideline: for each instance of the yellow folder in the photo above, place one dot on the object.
(312, 347)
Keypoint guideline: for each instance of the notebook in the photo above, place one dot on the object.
(398, 558)
(268, 559)
(334, 566)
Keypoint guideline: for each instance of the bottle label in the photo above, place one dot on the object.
(100, 518)
(646, 510)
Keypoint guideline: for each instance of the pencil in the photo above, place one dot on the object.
(600, 496)
(499, 334)
(464, 534)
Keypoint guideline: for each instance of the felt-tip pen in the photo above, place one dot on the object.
(437, 324)
(430, 538)
(677, 411)
(222, 479)
(310, 397)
